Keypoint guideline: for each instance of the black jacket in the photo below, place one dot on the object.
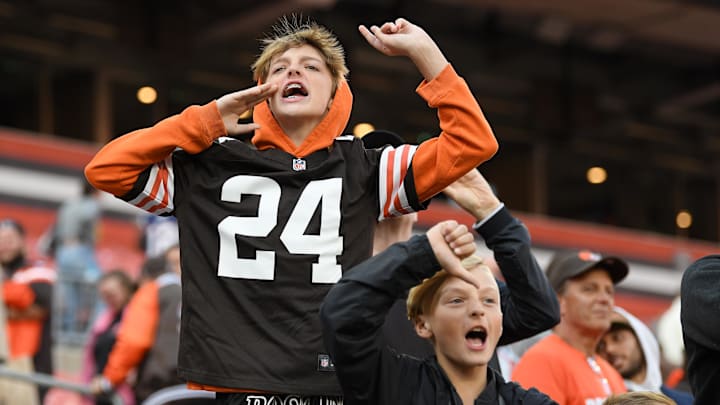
(369, 371)
(528, 302)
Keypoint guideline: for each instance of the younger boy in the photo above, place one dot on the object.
(457, 309)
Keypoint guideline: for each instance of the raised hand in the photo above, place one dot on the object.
(473, 194)
(232, 105)
(403, 38)
(394, 38)
(451, 242)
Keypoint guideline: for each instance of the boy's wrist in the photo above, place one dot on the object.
(429, 60)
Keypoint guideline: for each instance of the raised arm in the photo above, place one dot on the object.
(528, 302)
(466, 139)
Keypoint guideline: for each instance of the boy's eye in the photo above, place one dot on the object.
(278, 69)
(456, 301)
(490, 301)
(312, 67)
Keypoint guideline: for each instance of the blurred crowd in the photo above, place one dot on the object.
(126, 328)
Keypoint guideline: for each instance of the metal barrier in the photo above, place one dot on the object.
(75, 306)
(49, 381)
(177, 393)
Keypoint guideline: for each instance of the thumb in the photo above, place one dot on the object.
(239, 129)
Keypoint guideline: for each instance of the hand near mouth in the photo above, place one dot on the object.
(232, 105)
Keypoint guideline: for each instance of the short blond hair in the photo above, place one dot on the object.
(293, 32)
(422, 298)
(639, 398)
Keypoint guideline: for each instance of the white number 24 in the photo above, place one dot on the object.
(328, 244)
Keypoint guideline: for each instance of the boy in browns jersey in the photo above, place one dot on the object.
(266, 230)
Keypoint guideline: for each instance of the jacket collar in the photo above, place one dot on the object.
(449, 396)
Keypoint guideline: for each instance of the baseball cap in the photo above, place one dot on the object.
(380, 137)
(567, 265)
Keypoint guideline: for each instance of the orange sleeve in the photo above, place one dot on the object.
(466, 139)
(533, 371)
(136, 334)
(116, 167)
(17, 295)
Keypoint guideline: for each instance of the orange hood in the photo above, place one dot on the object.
(271, 135)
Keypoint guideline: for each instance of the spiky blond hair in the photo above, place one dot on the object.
(423, 297)
(294, 31)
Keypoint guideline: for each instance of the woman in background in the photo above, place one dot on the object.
(115, 289)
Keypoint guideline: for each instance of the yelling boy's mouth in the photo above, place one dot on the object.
(476, 337)
(293, 90)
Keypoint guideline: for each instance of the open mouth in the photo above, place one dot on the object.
(293, 90)
(476, 336)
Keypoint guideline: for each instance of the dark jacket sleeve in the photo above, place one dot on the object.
(354, 310)
(528, 302)
(700, 299)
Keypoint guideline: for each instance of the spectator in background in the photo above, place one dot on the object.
(700, 318)
(564, 364)
(27, 296)
(633, 350)
(157, 234)
(148, 337)
(115, 289)
(672, 348)
(75, 236)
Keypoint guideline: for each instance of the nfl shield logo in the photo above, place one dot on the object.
(299, 165)
(324, 363)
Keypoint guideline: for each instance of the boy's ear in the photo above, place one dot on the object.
(422, 327)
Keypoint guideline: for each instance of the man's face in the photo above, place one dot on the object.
(587, 301)
(621, 348)
(305, 85)
(465, 322)
(11, 244)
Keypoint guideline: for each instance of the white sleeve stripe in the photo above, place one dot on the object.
(391, 161)
(161, 179)
(399, 182)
